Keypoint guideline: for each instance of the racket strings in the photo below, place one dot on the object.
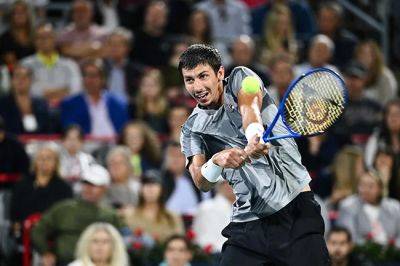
(315, 103)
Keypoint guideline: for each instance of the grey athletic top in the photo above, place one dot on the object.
(263, 186)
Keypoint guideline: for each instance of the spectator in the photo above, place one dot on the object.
(330, 18)
(73, 160)
(124, 189)
(232, 16)
(95, 110)
(151, 216)
(199, 27)
(243, 51)
(181, 193)
(380, 84)
(37, 192)
(144, 146)
(386, 140)
(54, 77)
(370, 215)
(177, 251)
(282, 74)
(361, 115)
(279, 36)
(82, 39)
(107, 13)
(100, 244)
(151, 42)
(17, 41)
(13, 157)
(60, 222)
(340, 247)
(123, 74)
(319, 55)
(22, 112)
(213, 216)
(176, 118)
(151, 104)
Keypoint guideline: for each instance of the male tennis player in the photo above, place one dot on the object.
(275, 220)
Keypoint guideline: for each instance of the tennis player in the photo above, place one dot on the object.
(275, 220)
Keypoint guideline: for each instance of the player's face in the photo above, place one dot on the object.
(204, 84)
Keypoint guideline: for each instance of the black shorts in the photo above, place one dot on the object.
(292, 236)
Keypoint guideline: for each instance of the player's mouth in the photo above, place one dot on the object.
(202, 96)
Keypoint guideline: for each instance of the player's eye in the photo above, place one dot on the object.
(189, 80)
(203, 76)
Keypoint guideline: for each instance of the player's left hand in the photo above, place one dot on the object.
(256, 149)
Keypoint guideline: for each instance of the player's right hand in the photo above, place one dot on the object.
(231, 158)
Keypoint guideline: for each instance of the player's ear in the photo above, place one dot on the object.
(221, 73)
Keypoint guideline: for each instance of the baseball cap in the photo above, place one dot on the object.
(97, 175)
(355, 69)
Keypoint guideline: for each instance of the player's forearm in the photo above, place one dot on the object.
(201, 182)
(249, 106)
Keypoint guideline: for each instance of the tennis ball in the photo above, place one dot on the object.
(250, 85)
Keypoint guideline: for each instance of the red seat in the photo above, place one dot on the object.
(9, 177)
(26, 238)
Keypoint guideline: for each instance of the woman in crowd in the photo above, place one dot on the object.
(369, 215)
(124, 189)
(386, 140)
(381, 85)
(151, 216)
(144, 146)
(279, 36)
(151, 103)
(100, 245)
(17, 41)
(73, 159)
(199, 29)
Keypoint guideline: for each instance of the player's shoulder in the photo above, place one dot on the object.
(191, 120)
(242, 72)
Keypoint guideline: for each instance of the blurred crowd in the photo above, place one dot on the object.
(91, 106)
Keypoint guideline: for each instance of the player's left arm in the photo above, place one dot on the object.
(249, 108)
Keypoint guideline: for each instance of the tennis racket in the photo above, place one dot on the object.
(312, 103)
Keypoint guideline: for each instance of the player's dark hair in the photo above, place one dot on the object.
(339, 229)
(200, 54)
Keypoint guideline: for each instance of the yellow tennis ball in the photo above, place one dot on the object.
(250, 85)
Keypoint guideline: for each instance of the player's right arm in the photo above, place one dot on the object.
(206, 179)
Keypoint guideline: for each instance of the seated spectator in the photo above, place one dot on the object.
(17, 42)
(199, 27)
(66, 220)
(380, 85)
(340, 247)
(123, 74)
(151, 104)
(181, 193)
(243, 51)
(151, 216)
(279, 35)
(124, 189)
(144, 146)
(151, 44)
(100, 245)
(282, 74)
(319, 55)
(213, 216)
(177, 251)
(82, 39)
(54, 77)
(13, 157)
(361, 115)
(386, 140)
(23, 113)
(370, 216)
(330, 23)
(73, 160)
(39, 191)
(177, 116)
(95, 110)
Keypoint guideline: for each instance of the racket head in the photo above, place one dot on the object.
(313, 102)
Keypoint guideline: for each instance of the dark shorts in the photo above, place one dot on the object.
(292, 236)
